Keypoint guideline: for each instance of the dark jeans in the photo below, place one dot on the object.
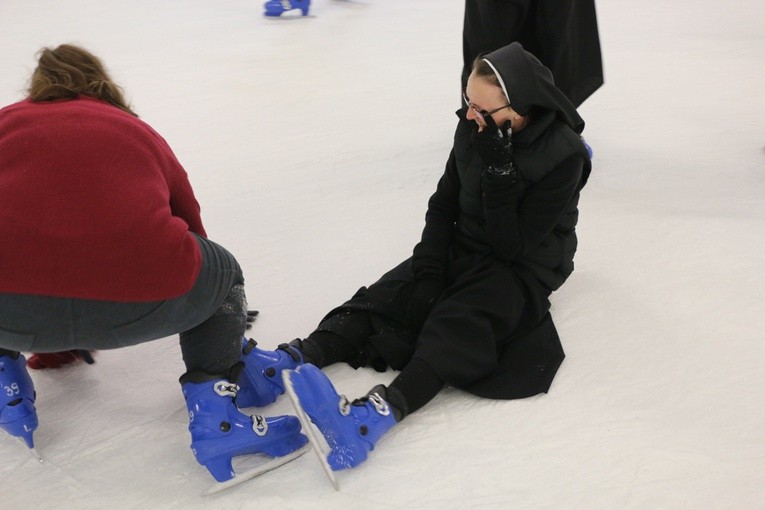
(211, 318)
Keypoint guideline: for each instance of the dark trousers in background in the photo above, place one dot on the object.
(562, 35)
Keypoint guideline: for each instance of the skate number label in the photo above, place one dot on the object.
(12, 390)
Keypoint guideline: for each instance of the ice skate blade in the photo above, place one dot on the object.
(255, 472)
(32, 451)
(309, 429)
(36, 454)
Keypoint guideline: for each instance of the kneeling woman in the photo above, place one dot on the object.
(103, 247)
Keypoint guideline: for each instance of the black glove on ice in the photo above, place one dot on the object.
(251, 316)
(495, 146)
(424, 296)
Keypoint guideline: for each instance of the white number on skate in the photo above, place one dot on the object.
(12, 390)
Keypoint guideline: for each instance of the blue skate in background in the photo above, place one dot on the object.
(276, 8)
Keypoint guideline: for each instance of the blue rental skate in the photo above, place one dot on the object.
(219, 431)
(276, 8)
(351, 428)
(18, 415)
(261, 379)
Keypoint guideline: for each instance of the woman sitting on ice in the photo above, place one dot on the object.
(470, 308)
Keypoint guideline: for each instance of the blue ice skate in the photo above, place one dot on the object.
(276, 8)
(18, 415)
(351, 429)
(219, 431)
(261, 379)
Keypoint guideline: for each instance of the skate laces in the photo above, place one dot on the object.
(226, 389)
(344, 405)
(259, 425)
(381, 406)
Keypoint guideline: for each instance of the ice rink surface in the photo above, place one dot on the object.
(313, 145)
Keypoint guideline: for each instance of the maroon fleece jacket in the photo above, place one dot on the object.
(93, 205)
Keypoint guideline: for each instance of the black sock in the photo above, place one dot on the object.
(310, 351)
(417, 384)
(325, 348)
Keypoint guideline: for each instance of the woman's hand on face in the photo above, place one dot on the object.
(493, 144)
(495, 147)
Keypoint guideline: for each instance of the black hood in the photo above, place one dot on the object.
(526, 83)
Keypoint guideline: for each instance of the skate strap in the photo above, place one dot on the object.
(251, 344)
(259, 425)
(380, 405)
(226, 389)
(291, 351)
(344, 405)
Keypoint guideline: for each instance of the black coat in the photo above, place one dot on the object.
(498, 245)
(500, 250)
(530, 225)
(563, 36)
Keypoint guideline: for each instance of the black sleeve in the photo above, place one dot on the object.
(519, 218)
(431, 253)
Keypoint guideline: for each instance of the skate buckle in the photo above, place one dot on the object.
(226, 389)
(344, 406)
(259, 425)
(249, 346)
(381, 406)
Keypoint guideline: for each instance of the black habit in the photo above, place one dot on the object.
(500, 247)
(562, 35)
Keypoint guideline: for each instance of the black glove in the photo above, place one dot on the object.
(495, 146)
(425, 293)
(251, 316)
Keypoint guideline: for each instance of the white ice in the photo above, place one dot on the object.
(313, 145)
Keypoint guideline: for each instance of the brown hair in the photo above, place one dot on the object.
(483, 70)
(68, 71)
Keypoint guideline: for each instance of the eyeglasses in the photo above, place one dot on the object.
(482, 114)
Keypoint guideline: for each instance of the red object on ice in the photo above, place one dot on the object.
(42, 360)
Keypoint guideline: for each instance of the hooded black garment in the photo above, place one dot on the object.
(530, 224)
(527, 83)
